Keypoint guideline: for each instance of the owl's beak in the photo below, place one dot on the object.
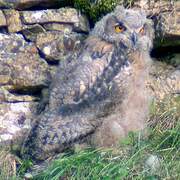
(134, 38)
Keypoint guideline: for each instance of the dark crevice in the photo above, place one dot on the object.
(41, 54)
(4, 30)
(27, 40)
(165, 51)
(34, 91)
(53, 63)
(167, 54)
(50, 62)
(56, 4)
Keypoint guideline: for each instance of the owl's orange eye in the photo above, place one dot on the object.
(141, 31)
(119, 29)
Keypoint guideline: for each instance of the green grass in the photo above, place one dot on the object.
(129, 163)
(126, 162)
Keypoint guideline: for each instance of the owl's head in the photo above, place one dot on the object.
(126, 27)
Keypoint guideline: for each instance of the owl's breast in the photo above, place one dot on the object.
(123, 78)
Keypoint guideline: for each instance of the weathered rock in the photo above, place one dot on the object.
(154, 6)
(4, 73)
(28, 176)
(153, 164)
(6, 96)
(23, 4)
(14, 122)
(166, 15)
(30, 32)
(20, 64)
(58, 27)
(165, 80)
(30, 23)
(13, 20)
(56, 45)
(62, 15)
(2, 19)
(175, 60)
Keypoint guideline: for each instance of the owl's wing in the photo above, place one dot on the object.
(80, 75)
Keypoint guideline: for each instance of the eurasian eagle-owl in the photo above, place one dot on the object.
(101, 90)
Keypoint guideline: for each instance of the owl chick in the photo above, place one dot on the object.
(101, 90)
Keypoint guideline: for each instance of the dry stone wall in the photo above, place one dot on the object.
(31, 44)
